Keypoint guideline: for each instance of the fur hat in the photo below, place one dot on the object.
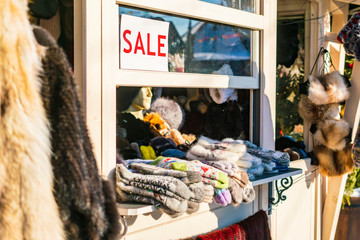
(312, 112)
(334, 134)
(328, 88)
(170, 111)
(135, 128)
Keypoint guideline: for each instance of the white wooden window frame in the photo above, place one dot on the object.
(97, 37)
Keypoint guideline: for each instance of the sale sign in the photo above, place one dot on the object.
(143, 43)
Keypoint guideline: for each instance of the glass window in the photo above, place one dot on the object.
(203, 47)
(191, 111)
(246, 5)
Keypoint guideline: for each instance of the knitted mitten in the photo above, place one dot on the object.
(246, 161)
(192, 207)
(147, 152)
(168, 205)
(227, 144)
(210, 175)
(269, 167)
(160, 184)
(236, 192)
(197, 192)
(248, 193)
(130, 161)
(242, 178)
(227, 167)
(173, 153)
(135, 146)
(222, 196)
(186, 177)
(257, 171)
(213, 155)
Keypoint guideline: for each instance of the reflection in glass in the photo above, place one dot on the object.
(246, 5)
(203, 47)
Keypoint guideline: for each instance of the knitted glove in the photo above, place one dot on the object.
(236, 192)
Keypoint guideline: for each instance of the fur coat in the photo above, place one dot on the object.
(27, 206)
(86, 201)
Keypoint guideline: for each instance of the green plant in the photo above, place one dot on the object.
(352, 182)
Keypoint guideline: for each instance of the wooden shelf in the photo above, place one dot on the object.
(134, 209)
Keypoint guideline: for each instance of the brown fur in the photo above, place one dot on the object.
(27, 205)
(314, 113)
(328, 88)
(334, 163)
(332, 133)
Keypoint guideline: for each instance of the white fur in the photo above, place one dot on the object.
(336, 90)
(28, 209)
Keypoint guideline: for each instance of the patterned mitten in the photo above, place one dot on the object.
(210, 175)
(160, 184)
(225, 166)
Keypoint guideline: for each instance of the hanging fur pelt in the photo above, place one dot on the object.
(86, 201)
(27, 206)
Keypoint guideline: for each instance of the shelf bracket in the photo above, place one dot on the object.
(285, 183)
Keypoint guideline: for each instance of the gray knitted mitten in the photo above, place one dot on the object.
(156, 183)
(187, 177)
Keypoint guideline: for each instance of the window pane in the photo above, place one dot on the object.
(203, 47)
(246, 5)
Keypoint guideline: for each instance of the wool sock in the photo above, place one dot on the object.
(269, 167)
(130, 161)
(227, 144)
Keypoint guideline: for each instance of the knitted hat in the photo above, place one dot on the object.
(170, 111)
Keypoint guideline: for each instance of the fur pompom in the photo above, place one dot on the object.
(328, 88)
(314, 113)
(332, 133)
(170, 111)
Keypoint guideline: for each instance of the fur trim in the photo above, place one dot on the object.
(28, 209)
(332, 133)
(328, 88)
(170, 111)
(314, 113)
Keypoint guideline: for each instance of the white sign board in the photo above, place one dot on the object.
(143, 44)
